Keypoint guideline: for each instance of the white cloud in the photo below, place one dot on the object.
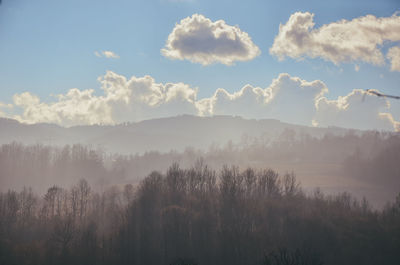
(4, 106)
(73, 108)
(287, 98)
(106, 54)
(359, 39)
(122, 100)
(394, 56)
(355, 110)
(200, 40)
(356, 68)
(142, 98)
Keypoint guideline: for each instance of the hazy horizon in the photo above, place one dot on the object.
(332, 159)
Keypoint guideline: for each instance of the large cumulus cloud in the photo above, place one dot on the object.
(200, 40)
(355, 110)
(287, 98)
(360, 39)
(290, 99)
(123, 100)
(75, 107)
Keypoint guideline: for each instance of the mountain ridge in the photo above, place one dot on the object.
(161, 134)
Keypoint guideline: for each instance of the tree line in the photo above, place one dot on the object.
(371, 157)
(196, 216)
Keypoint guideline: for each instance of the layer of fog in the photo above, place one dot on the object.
(336, 160)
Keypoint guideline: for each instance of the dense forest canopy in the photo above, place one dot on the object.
(196, 216)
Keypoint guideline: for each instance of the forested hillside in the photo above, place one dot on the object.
(365, 164)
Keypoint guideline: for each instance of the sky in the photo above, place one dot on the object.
(105, 62)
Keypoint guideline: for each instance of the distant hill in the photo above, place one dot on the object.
(162, 134)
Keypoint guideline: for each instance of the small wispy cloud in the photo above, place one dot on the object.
(106, 54)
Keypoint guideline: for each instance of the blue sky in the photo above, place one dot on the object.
(47, 46)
